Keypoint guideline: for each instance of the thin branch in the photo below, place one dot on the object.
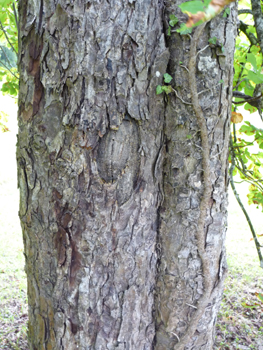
(181, 65)
(202, 49)
(6, 56)
(258, 19)
(248, 100)
(2, 63)
(257, 244)
(217, 154)
(240, 182)
(240, 94)
(241, 81)
(241, 72)
(200, 92)
(180, 98)
(6, 36)
(175, 335)
(249, 179)
(248, 143)
(251, 37)
(234, 131)
(256, 183)
(241, 12)
(191, 305)
(16, 18)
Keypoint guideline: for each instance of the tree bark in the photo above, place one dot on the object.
(110, 174)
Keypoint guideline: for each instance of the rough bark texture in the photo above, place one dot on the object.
(110, 181)
(180, 280)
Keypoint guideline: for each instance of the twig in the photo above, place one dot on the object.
(250, 179)
(176, 336)
(2, 63)
(257, 244)
(6, 57)
(6, 36)
(202, 49)
(196, 145)
(191, 305)
(248, 143)
(217, 154)
(241, 71)
(181, 65)
(257, 14)
(241, 81)
(180, 98)
(251, 37)
(16, 18)
(200, 92)
(248, 100)
(240, 12)
(234, 131)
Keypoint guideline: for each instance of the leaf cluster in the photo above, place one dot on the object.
(183, 30)
(8, 48)
(249, 164)
(9, 80)
(165, 88)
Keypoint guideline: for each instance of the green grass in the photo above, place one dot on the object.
(13, 300)
(238, 327)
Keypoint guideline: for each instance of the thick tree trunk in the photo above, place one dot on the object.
(110, 174)
(180, 273)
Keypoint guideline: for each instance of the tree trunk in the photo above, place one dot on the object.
(110, 175)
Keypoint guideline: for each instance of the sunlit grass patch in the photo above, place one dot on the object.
(240, 319)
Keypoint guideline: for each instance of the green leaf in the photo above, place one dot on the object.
(167, 89)
(4, 3)
(249, 89)
(249, 306)
(226, 12)
(250, 108)
(192, 6)
(184, 30)
(167, 78)
(169, 31)
(213, 40)
(248, 130)
(254, 49)
(159, 90)
(252, 59)
(260, 296)
(256, 78)
(207, 2)
(234, 171)
(173, 20)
